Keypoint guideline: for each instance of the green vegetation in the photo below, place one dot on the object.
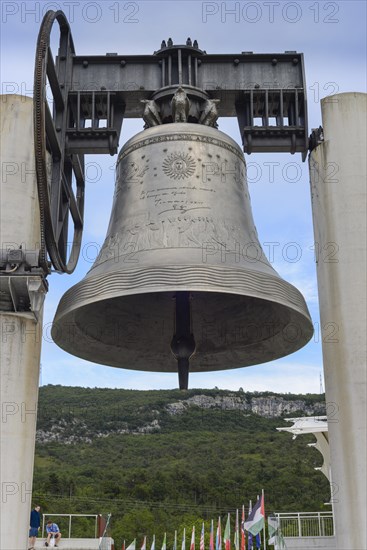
(188, 467)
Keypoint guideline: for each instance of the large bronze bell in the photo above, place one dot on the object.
(181, 275)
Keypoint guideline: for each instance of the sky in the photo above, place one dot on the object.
(332, 36)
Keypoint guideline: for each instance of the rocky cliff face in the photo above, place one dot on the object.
(78, 432)
(269, 407)
(78, 428)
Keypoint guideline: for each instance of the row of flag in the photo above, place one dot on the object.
(254, 525)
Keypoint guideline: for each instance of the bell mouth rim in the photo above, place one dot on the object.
(276, 346)
(157, 279)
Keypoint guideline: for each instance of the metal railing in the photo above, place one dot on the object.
(70, 516)
(306, 524)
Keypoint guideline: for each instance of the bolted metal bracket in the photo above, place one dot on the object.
(22, 295)
(23, 283)
(37, 290)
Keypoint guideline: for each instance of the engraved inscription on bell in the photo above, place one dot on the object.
(179, 189)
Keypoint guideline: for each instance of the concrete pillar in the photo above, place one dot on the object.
(338, 186)
(20, 333)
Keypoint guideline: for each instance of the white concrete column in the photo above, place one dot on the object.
(338, 186)
(20, 334)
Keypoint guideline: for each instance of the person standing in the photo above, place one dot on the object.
(34, 526)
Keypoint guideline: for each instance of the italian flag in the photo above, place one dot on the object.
(256, 519)
(164, 544)
(227, 534)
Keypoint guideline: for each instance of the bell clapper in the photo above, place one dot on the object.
(183, 342)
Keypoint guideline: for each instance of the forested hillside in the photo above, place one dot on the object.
(161, 460)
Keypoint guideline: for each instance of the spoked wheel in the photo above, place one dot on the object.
(56, 170)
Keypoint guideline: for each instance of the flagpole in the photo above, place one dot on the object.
(192, 543)
(248, 537)
(237, 529)
(262, 496)
(243, 534)
(227, 534)
(202, 538)
(220, 533)
(218, 538)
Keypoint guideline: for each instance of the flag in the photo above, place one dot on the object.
(258, 541)
(144, 544)
(202, 543)
(250, 541)
(153, 543)
(243, 535)
(256, 519)
(192, 544)
(175, 541)
(237, 533)
(211, 537)
(132, 545)
(227, 534)
(123, 546)
(218, 538)
(183, 545)
(276, 537)
(164, 545)
(272, 528)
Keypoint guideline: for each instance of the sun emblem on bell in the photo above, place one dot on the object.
(179, 166)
